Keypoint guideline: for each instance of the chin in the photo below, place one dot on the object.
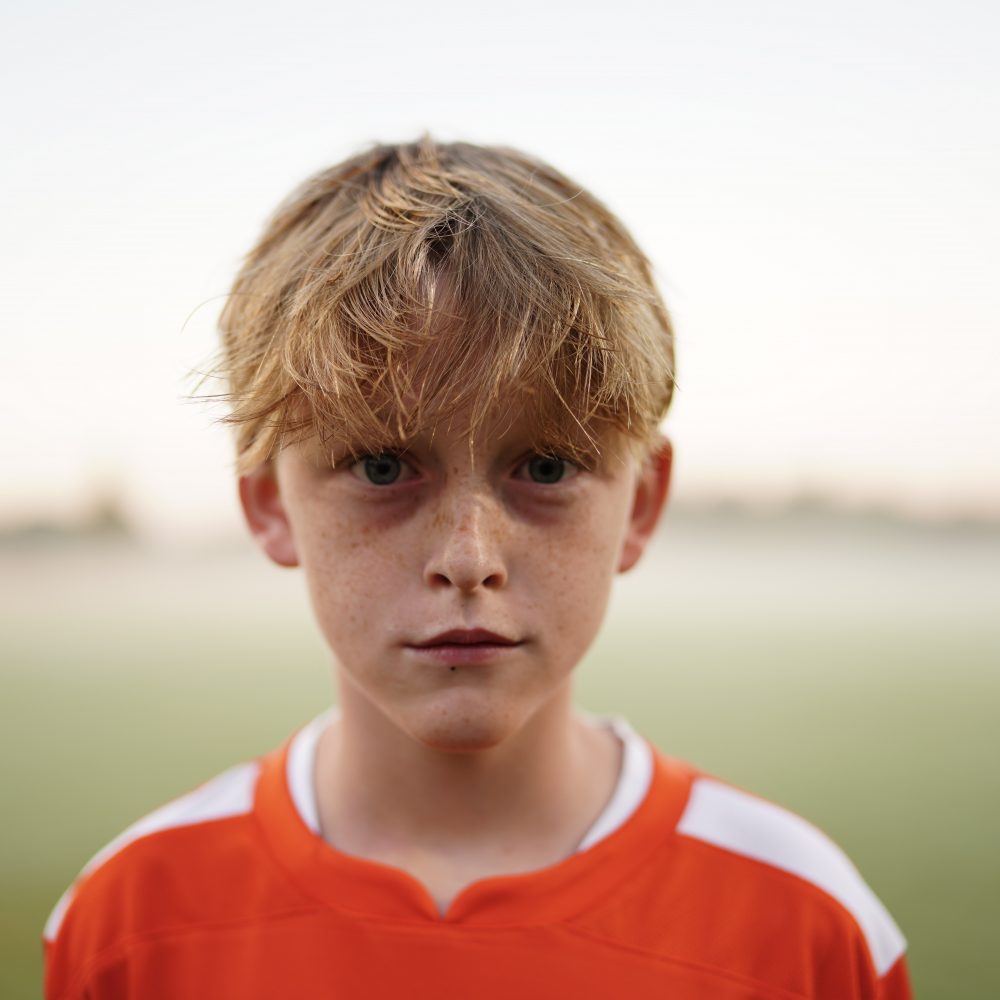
(463, 728)
(462, 743)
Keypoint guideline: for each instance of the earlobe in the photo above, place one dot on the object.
(260, 498)
(650, 498)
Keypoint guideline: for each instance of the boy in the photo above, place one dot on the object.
(447, 368)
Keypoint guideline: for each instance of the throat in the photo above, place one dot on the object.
(450, 824)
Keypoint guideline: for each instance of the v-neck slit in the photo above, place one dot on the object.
(643, 811)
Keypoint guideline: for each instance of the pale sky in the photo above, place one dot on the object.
(816, 185)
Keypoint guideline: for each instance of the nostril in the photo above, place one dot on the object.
(466, 578)
(493, 581)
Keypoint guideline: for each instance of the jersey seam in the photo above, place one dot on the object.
(779, 992)
(87, 875)
(132, 942)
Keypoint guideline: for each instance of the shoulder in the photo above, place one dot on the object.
(110, 897)
(770, 844)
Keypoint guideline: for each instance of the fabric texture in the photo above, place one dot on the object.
(685, 887)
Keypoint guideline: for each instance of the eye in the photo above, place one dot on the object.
(549, 469)
(383, 469)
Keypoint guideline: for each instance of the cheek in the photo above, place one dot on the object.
(575, 569)
(350, 577)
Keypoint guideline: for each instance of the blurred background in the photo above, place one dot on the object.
(816, 187)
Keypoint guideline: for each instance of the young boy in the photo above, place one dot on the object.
(447, 367)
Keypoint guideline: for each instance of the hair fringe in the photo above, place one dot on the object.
(412, 283)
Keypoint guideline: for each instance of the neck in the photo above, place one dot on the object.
(380, 792)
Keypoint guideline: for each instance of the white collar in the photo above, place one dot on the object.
(634, 779)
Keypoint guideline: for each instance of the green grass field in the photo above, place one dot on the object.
(122, 689)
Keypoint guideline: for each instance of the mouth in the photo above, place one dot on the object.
(466, 637)
(458, 646)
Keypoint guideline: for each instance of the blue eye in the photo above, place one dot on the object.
(547, 468)
(382, 470)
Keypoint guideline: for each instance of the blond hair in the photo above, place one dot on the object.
(413, 282)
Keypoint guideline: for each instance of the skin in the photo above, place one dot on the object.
(457, 770)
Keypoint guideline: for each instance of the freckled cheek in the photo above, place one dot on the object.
(351, 574)
(572, 577)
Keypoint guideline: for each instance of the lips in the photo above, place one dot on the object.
(465, 647)
(466, 637)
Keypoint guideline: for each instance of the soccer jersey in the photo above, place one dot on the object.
(684, 887)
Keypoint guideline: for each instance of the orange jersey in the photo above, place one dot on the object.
(699, 891)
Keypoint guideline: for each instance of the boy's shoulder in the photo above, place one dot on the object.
(750, 863)
(749, 889)
(156, 874)
(781, 842)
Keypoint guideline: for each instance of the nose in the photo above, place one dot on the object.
(466, 544)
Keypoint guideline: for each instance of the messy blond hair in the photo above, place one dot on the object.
(413, 282)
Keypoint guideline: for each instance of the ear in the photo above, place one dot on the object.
(260, 498)
(651, 489)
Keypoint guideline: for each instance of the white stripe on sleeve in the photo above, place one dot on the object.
(736, 821)
(229, 794)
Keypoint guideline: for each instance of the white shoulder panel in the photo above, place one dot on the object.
(736, 821)
(229, 794)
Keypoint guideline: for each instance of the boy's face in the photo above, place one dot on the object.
(407, 556)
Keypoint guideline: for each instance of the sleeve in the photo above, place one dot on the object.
(86, 923)
(895, 984)
(62, 951)
(57, 974)
(54, 975)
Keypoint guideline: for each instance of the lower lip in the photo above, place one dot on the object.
(454, 653)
